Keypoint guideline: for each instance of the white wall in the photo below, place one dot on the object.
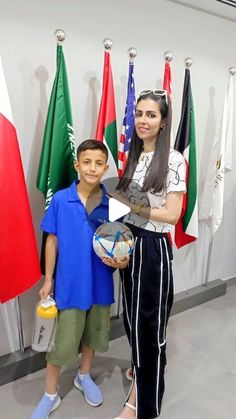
(28, 51)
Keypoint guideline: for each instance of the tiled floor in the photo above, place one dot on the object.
(200, 376)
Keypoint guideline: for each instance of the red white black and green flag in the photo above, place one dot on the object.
(19, 262)
(186, 230)
(106, 125)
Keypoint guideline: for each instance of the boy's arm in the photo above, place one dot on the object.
(50, 261)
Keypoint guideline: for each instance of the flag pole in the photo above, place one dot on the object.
(188, 62)
(19, 325)
(232, 72)
(132, 53)
(206, 279)
(107, 44)
(60, 36)
(168, 56)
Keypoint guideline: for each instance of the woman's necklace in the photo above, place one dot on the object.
(144, 155)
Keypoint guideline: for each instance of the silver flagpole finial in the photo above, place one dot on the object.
(232, 71)
(188, 62)
(168, 56)
(60, 36)
(107, 44)
(132, 52)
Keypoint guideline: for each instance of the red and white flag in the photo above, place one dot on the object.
(167, 85)
(19, 262)
(167, 80)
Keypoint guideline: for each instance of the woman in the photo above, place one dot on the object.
(154, 184)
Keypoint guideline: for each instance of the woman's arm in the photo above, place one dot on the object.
(169, 214)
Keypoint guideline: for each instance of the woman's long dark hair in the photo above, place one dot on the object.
(157, 172)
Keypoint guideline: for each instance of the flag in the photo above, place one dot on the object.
(106, 124)
(56, 167)
(19, 263)
(186, 230)
(167, 85)
(167, 80)
(128, 122)
(211, 209)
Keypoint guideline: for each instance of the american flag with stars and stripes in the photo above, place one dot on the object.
(128, 122)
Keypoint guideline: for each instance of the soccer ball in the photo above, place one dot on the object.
(113, 240)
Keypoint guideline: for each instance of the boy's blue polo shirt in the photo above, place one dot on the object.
(82, 279)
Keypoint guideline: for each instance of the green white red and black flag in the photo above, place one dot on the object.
(106, 125)
(186, 230)
(56, 167)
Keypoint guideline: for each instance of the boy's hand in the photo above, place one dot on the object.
(45, 291)
(116, 262)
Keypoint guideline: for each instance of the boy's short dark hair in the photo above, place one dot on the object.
(92, 145)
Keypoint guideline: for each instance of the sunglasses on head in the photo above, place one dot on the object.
(158, 92)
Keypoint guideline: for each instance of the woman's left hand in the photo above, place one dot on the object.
(123, 199)
(119, 196)
(115, 262)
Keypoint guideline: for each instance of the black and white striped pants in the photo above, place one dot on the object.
(147, 301)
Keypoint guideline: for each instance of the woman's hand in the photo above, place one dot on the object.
(115, 262)
(119, 196)
(135, 207)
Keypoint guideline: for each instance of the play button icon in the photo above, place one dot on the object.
(116, 209)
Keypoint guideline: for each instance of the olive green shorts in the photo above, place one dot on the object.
(75, 327)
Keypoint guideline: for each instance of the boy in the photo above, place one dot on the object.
(83, 287)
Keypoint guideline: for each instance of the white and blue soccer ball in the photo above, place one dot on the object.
(113, 240)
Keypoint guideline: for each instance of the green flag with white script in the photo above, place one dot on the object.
(56, 167)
